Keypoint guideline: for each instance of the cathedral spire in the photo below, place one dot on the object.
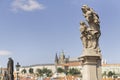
(56, 58)
(62, 54)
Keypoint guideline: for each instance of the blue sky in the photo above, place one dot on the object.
(33, 31)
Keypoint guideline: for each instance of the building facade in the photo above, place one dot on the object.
(68, 63)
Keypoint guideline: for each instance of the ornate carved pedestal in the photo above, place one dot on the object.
(91, 65)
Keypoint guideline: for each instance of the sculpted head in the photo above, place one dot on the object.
(83, 26)
(9, 58)
(82, 23)
(85, 8)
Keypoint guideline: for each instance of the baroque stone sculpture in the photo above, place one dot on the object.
(10, 69)
(91, 55)
(90, 33)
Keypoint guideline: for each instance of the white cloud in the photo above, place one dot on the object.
(27, 5)
(5, 52)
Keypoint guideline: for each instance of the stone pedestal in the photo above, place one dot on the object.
(91, 64)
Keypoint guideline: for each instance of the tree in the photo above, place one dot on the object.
(46, 71)
(39, 72)
(110, 74)
(74, 71)
(31, 71)
(49, 73)
(60, 70)
(23, 71)
(114, 75)
(104, 74)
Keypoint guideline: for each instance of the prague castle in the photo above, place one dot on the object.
(67, 63)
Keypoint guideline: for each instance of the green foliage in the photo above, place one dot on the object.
(74, 71)
(23, 71)
(49, 73)
(31, 71)
(104, 74)
(46, 71)
(110, 74)
(115, 76)
(60, 70)
(39, 72)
